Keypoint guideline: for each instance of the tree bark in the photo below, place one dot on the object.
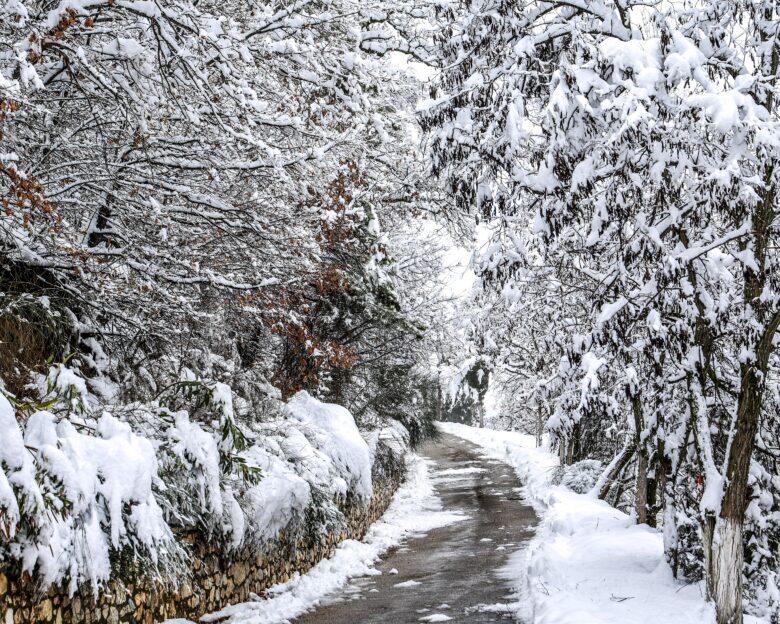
(641, 486)
(723, 536)
(641, 464)
(723, 551)
(438, 399)
(539, 425)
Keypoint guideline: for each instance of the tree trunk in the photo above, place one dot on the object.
(438, 399)
(658, 483)
(724, 550)
(723, 536)
(613, 471)
(652, 500)
(641, 463)
(641, 486)
(573, 448)
(539, 425)
(723, 556)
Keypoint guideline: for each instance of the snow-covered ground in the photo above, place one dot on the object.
(415, 510)
(588, 562)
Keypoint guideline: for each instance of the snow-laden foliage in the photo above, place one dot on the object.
(347, 450)
(580, 477)
(77, 493)
(626, 156)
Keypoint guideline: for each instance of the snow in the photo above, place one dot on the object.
(68, 383)
(723, 109)
(415, 509)
(123, 47)
(436, 617)
(83, 479)
(18, 472)
(199, 454)
(278, 498)
(107, 479)
(588, 562)
(393, 436)
(340, 439)
(610, 309)
(409, 583)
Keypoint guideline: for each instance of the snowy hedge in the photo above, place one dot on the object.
(82, 485)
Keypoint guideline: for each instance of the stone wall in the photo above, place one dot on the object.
(216, 578)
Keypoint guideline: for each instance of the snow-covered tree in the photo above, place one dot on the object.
(639, 142)
(204, 204)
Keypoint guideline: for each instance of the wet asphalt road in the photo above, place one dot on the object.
(452, 571)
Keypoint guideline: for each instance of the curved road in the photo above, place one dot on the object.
(453, 573)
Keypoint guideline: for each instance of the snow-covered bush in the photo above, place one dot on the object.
(394, 438)
(74, 492)
(762, 543)
(337, 436)
(32, 329)
(83, 488)
(581, 476)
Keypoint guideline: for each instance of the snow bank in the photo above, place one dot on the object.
(415, 509)
(588, 562)
(319, 448)
(394, 437)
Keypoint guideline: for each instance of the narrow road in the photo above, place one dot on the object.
(452, 573)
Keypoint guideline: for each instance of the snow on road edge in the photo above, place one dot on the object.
(415, 509)
(588, 563)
